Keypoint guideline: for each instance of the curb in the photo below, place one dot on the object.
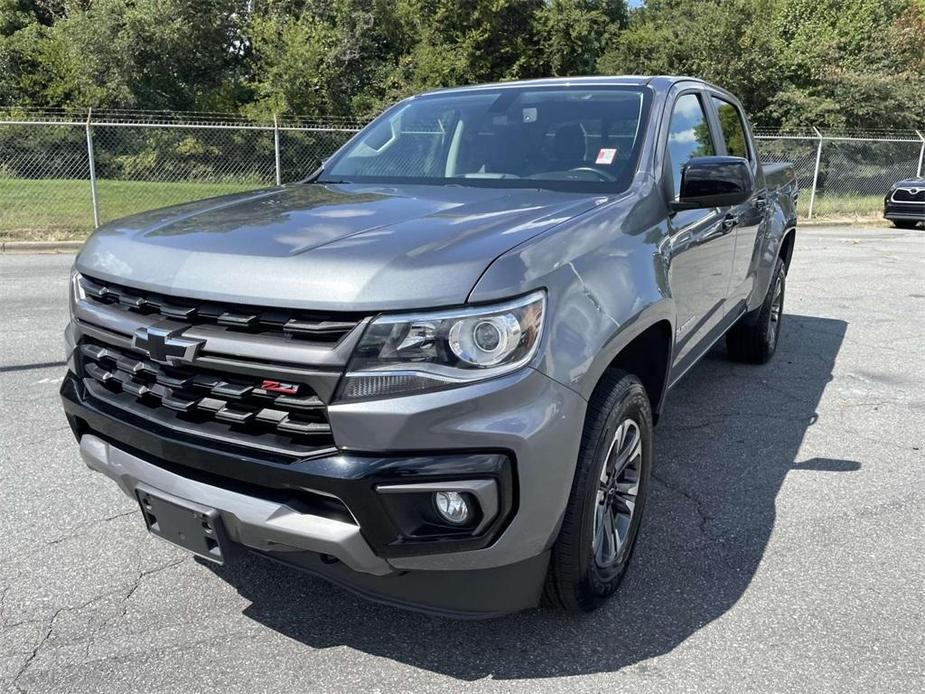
(840, 223)
(40, 246)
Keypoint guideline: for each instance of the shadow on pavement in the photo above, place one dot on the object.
(729, 437)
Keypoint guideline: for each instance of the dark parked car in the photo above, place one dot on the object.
(430, 372)
(904, 205)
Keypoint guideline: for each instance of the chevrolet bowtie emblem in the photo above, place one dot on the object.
(164, 345)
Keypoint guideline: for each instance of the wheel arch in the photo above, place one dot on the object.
(647, 355)
(786, 247)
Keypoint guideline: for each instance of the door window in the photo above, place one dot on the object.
(730, 122)
(688, 136)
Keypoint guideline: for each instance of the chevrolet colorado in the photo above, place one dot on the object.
(430, 371)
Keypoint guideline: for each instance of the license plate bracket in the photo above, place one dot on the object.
(194, 527)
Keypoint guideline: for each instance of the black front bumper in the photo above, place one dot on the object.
(904, 211)
(319, 485)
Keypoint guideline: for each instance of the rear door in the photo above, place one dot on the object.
(748, 217)
(701, 240)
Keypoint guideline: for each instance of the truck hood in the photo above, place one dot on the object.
(353, 247)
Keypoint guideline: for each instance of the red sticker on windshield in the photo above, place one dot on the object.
(605, 156)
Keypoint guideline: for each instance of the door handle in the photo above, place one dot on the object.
(761, 203)
(729, 222)
(682, 239)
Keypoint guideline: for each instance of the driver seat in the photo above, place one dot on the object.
(569, 146)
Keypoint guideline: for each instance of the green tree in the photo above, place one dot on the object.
(794, 63)
(154, 54)
(324, 58)
(849, 64)
(481, 41)
(723, 41)
(570, 34)
(24, 26)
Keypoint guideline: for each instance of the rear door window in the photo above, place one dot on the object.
(730, 122)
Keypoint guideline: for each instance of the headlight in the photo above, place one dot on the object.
(76, 292)
(403, 354)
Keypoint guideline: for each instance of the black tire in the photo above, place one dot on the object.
(753, 339)
(905, 223)
(578, 579)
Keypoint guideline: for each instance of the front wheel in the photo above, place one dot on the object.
(754, 338)
(905, 223)
(608, 495)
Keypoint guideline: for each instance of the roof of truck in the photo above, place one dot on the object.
(590, 80)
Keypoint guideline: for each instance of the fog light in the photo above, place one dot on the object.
(452, 506)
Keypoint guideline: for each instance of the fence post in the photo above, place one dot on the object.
(812, 195)
(918, 171)
(279, 173)
(92, 162)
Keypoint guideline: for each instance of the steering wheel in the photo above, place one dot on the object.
(610, 178)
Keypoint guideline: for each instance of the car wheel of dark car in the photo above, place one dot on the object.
(754, 338)
(608, 495)
(905, 223)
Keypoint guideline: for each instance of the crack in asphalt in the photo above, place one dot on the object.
(125, 598)
(50, 622)
(6, 590)
(733, 374)
(143, 575)
(705, 518)
(48, 632)
(75, 531)
(670, 429)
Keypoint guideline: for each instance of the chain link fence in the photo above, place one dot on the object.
(61, 174)
(845, 175)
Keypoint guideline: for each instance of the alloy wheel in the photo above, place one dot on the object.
(777, 307)
(616, 496)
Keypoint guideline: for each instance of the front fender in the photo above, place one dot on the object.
(606, 283)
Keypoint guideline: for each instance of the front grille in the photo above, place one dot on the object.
(906, 195)
(236, 317)
(277, 417)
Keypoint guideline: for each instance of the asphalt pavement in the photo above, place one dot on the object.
(783, 547)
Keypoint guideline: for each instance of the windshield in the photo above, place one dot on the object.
(565, 138)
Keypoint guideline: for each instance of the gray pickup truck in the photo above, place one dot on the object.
(430, 371)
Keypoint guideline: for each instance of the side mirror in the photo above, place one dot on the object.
(714, 182)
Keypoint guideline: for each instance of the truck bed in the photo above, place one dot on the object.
(779, 174)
